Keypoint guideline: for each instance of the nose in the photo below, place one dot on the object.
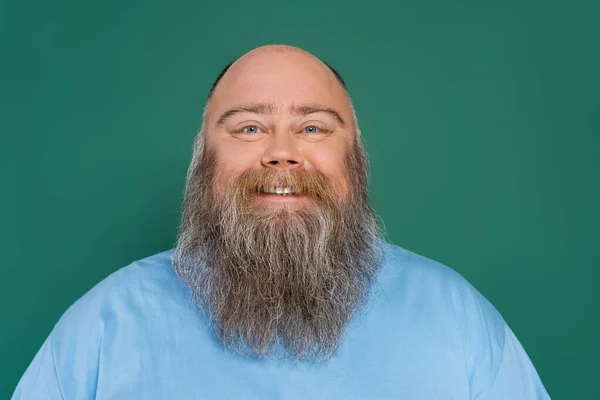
(282, 153)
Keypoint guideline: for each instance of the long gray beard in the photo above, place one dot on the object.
(282, 282)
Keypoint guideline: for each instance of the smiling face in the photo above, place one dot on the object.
(279, 110)
(277, 239)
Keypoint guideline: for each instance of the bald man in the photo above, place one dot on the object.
(280, 285)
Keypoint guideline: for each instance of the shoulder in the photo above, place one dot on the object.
(402, 268)
(146, 287)
(105, 321)
(151, 275)
(414, 274)
(417, 276)
(446, 297)
(497, 364)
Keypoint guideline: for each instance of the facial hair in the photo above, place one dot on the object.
(278, 281)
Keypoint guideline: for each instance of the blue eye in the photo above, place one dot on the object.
(250, 129)
(311, 129)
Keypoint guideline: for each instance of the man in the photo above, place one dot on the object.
(280, 286)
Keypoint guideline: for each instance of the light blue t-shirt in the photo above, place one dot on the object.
(425, 334)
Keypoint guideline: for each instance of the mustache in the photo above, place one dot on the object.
(309, 183)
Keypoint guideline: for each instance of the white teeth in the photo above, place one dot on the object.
(280, 190)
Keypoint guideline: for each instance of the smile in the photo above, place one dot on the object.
(282, 191)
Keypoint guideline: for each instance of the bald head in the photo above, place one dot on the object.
(281, 72)
(275, 48)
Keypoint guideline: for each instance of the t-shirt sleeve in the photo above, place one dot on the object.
(497, 365)
(40, 380)
(66, 366)
(516, 378)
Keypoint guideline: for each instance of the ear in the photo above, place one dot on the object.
(357, 132)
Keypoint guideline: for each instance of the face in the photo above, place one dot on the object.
(280, 113)
(277, 240)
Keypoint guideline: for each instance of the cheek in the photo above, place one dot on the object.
(230, 164)
(333, 166)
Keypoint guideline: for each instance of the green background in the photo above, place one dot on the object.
(481, 118)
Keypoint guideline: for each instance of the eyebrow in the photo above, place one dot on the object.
(300, 110)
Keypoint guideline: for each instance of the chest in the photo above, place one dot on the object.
(388, 364)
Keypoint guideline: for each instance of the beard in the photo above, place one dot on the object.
(282, 280)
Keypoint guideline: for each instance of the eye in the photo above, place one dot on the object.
(250, 129)
(312, 129)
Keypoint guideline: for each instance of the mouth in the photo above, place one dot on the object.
(281, 193)
(281, 190)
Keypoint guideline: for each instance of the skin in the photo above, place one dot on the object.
(280, 77)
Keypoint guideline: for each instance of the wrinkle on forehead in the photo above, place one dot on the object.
(297, 110)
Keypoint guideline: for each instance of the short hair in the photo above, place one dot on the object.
(214, 85)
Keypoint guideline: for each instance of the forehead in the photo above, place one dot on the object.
(284, 79)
